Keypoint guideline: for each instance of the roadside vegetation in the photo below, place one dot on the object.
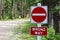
(25, 35)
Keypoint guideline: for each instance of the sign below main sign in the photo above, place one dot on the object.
(39, 31)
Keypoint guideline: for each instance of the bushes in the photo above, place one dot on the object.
(51, 35)
(26, 33)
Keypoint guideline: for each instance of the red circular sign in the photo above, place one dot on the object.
(38, 14)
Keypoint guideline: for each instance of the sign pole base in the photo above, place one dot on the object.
(38, 37)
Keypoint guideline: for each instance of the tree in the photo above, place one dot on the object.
(1, 9)
(23, 8)
(51, 8)
(14, 9)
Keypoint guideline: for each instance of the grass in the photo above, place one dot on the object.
(25, 31)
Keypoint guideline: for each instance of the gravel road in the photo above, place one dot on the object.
(7, 27)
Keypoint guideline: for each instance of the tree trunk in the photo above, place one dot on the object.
(57, 20)
(50, 16)
(49, 3)
(22, 14)
(14, 9)
(23, 8)
(1, 9)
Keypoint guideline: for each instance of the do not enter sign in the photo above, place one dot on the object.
(39, 14)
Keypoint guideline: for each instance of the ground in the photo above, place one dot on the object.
(7, 29)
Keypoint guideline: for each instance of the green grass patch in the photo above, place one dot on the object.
(27, 37)
(25, 31)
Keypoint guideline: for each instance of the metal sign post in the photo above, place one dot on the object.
(38, 24)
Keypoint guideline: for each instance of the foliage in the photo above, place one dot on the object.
(50, 35)
(7, 9)
(26, 33)
(26, 4)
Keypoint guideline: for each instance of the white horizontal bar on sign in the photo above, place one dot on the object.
(36, 14)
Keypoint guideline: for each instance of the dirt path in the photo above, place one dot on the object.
(7, 27)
